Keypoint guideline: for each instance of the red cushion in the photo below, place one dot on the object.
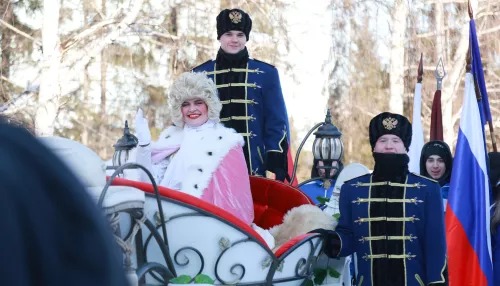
(291, 243)
(193, 201)
(273, 199)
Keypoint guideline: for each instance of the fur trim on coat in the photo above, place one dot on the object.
(301, 220)
(211, 151)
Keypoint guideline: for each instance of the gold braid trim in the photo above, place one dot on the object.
(416, 185)
(279, 143)
(245, 101)
(382, 200)
(383, 237)
(241, 84)
(251, 118)
(408, 256)
(382, 218)
(257, 71)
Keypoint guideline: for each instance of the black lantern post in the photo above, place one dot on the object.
(123, 146)
(327, 147)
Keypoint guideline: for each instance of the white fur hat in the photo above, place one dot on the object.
(191, 85)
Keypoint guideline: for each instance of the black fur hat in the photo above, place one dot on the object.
(389, 123)
(234, 19)
(494, 158)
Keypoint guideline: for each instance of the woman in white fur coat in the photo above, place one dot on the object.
(197, 156)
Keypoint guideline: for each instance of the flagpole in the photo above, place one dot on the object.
(420, 76)
(417, 138)
(420, 70)
(436, 127)
(476, 86)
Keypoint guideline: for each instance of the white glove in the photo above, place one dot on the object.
(142, 129)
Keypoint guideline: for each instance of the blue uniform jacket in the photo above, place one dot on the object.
(255, 108)
(423, 240)
(315, 189)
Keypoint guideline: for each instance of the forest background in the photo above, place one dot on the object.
(86, 68)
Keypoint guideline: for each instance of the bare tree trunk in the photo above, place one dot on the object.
(452, 81)
(438, 19)
(102, 113)
(396, 78)
(173, 31)
(86, 84)
(48, 98)
(6, 12)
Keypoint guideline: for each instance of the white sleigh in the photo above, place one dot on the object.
(166, 234)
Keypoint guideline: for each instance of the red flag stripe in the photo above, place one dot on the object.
(463, 264)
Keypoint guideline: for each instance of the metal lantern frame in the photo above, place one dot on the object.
(327, 147)
(123, 146)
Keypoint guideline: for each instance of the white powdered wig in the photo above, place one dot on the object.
(193, 85)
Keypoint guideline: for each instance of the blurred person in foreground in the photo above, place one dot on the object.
(52, 232)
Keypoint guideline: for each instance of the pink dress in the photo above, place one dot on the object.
(229, 187)
(179, 161)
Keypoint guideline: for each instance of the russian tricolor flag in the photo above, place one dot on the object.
(467, 214)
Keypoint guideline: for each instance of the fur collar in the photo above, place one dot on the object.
(171, 136)
(214, 145)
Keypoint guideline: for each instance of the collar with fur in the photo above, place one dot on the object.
(204, 158)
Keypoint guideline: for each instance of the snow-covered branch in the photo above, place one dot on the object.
(16, 30)
(76, 59)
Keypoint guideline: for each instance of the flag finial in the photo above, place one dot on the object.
(440, 73)
(420, 70)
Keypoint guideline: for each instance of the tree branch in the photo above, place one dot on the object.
(490, 30)
(86, 33)
(77, 60)
(414, 67)
(38, 42)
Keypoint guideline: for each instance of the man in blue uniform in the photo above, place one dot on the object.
(391, 218)
(322, 187)
(250, 92)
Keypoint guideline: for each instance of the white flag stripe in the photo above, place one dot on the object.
(470, 124)
(417, 138)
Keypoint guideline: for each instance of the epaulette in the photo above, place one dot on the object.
(369, 174)
(418, 175)
(263, 62)
(201, 65)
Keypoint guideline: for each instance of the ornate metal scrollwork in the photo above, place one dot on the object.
(233, 267)
(301, 266)
(176, 258)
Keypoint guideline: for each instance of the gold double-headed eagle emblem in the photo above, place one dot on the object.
(235, 17)
(390, 123)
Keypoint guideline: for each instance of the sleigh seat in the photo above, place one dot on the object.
(200, 237)
(91, 172)
(203, 238)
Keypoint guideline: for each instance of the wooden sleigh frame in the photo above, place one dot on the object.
(197, 237)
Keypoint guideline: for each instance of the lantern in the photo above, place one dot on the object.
(328, 146)
(123, 146)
